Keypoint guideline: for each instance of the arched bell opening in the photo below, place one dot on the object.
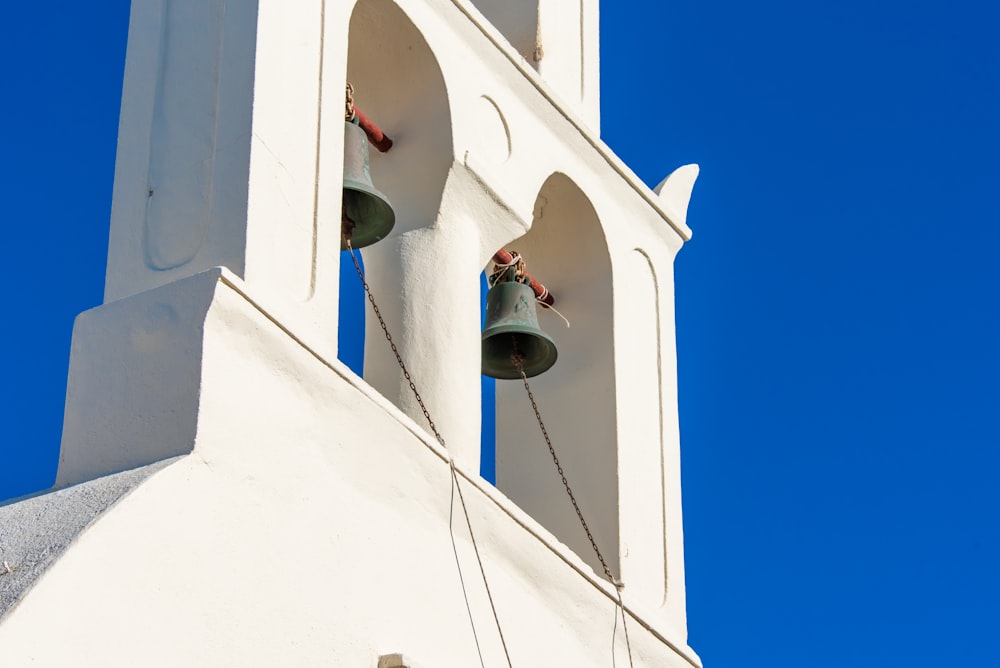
(398, 85)
(567, 252)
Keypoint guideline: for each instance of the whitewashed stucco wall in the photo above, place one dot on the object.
(310, 526)
(310, 520)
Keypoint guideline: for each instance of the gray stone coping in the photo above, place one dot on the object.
(35, 530)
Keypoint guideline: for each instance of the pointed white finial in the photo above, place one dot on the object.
(675, 192)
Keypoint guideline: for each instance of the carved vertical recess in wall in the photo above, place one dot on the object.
(183, 146)
(653, 304)
(314, 241)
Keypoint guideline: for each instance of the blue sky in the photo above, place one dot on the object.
(837, 310)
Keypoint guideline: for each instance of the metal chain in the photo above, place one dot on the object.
(349, 112)
(437, 435)
(518, 359)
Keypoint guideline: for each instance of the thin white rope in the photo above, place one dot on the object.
(458, 563)
(500, 269)
(614, 632)
(548, 307)
(517, 263)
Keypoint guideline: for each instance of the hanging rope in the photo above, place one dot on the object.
(504, 258)
(518, 359)
(510, 266)
(440, 439)
(502, 270)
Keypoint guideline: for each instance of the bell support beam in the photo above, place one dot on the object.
(503, 257)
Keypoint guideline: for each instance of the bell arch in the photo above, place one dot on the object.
(567, 251)
(399, 85)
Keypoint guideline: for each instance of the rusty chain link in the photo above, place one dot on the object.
(518, 359)
(392, 344)
(349, 112)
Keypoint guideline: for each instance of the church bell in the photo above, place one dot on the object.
(512, 326)
(366, 214)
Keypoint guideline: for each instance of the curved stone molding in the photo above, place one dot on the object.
(493, 145)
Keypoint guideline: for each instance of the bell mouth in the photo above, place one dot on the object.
(538, 352)
(370, 212)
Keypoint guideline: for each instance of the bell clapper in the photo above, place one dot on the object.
(346, 228)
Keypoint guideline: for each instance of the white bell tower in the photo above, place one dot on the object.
(312, 513)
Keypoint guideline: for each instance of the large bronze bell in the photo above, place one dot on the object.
(512, 326)
(366, 212)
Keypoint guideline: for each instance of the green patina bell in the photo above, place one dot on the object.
(366, 211)
(512, 323)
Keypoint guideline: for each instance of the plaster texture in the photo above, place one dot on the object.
(36, 530)
(559, 39)
(310, 521)
(135, 372)
(313, 524)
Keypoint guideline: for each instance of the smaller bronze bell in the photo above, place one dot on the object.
(512, 321)
(366, 212)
